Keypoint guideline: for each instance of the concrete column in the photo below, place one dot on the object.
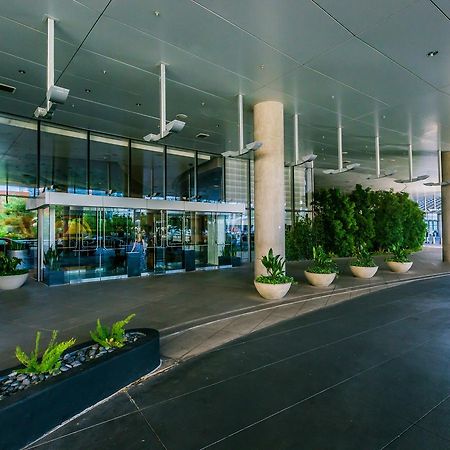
(445, 193)
(269, 181)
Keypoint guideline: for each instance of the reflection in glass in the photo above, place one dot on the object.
(147, 171)
(180, 174)
(18, 153)
(108, 166)
(210, 178)
(63, 159)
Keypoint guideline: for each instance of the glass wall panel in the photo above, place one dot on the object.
(147, 171)
(18, 156)
(174, 256)
(287, 187)
(180, 174)
(299, 189)
(63, 159)
(108, 166)
(209, 177)
(236, 173)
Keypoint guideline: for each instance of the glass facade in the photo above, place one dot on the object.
(95, 243)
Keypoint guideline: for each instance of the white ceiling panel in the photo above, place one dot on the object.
(312, 87)
(185, 25)
(358, 65)
(298, 28)
(361, 15)
(140, 50)
(73, 19)
(26, 43)
(399, 38)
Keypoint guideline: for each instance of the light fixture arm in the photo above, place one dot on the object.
(55, 95)
(377, 156)
(296, 140)
(175, 126)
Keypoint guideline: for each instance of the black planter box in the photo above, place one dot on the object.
(234, 261)
(189, 260)
(27, 415)
(53, 277)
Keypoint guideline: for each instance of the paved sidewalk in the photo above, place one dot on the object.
(194, 311)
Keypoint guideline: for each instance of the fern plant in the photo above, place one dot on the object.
(51, 359)
(275, 267)
(322, 262)
(114, 337)
(399, 254)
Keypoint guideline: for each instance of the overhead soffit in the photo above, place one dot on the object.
(367, 55)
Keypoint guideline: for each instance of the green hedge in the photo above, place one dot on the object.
(342, 222)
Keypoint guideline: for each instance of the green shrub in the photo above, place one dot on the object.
(363, 258)
(300, 239)
(51, 359)
(275, 267)
(114, 337)
(322, 262)
(8, 265)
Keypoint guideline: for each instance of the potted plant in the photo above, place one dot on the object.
(10, 276)
(363, 266)
(323, 270)
(18, 250)
(53, 274)
(229, 256)
(276, 283)
(399, 261)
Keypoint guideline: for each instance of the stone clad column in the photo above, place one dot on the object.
(445, 206)
(269, 181)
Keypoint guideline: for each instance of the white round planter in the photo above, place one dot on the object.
(398, 266)
(363, 272)
(272, 291)
(9, 282)
(320, 279)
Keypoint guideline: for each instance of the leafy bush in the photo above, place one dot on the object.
(114, 337)
(322, 262)
(363, 257)
(51, 258)
(300, 239)
(51, 359)
(8, 266)
(335, 221)
(275, 267)
(399, 254)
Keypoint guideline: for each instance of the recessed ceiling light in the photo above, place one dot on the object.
(433, 53)
(22, 72)
(384, 117)
(138, 104)
(203, 103)
(261, 67)
(156, 13)
(332, 96)
(88, 91)
(181, 116)
(104, 72)
(73, 106)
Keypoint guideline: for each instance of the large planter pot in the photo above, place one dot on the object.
(320, 279)
(21, 254)
(53, 277)
(272, 291)
(399, 267)
(28, 414)
(363, 272)
(9, 282)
